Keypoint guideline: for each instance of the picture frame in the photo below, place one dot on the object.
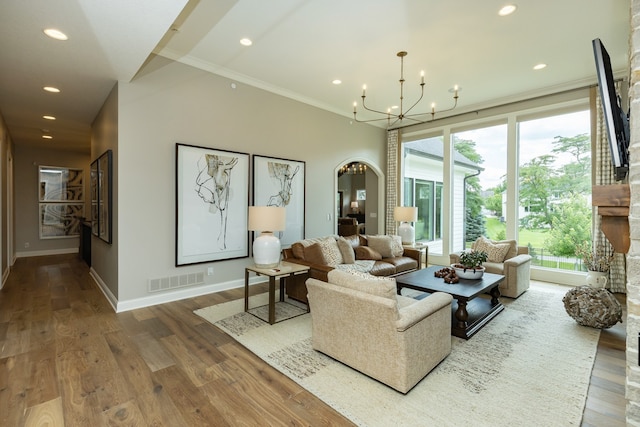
(61, 201)
(212, 198)
(282, 182)
(100, 188)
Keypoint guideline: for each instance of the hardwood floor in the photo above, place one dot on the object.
(66, 359)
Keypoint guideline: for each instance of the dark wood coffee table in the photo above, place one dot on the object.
(470, 313)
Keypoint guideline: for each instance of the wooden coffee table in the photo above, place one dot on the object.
(470, 311)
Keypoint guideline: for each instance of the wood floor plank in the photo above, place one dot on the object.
(45, 414)
(153, 352)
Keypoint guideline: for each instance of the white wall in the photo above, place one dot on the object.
(170, 103)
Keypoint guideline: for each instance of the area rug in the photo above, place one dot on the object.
(530, 366)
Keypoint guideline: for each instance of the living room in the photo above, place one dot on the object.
(170, 102)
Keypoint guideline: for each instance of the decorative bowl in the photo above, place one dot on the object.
(468, 273)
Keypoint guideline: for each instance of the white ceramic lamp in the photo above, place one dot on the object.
(354, 206)
(266, 247)
(406, 215)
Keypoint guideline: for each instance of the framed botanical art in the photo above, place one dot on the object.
(102, 196)
(61, 201)
(281, 182)
(212, 198)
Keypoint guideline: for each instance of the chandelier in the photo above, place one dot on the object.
(353, 168)
(393, 118)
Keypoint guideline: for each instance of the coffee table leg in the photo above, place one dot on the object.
(461, 314)
(495, 295)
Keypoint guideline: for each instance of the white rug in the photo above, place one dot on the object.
(530, 366)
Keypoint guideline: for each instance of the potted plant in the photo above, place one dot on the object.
(470, 264)
(597, 263)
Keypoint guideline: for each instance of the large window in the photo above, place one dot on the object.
(555, 188)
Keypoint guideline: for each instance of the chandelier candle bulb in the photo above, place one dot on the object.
(421, 77)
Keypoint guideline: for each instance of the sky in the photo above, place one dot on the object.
(536, 137)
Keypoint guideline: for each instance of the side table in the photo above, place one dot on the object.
(283, 270)
(423, 248)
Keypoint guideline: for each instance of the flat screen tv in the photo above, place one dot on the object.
(617, 121)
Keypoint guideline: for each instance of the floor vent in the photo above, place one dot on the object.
(166, 283)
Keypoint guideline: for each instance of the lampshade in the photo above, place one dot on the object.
(405, 213)
(266, 247)
(354, 205)
(267, 218)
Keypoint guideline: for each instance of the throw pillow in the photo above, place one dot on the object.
(380, 286)
(396, 246)
(365, 252)
(381, 244)
(314, 254)
(496, 251)
(331, 251)
(348, 254)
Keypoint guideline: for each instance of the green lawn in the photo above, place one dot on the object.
(533, 237)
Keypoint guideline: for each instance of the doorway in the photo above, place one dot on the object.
(359, 189)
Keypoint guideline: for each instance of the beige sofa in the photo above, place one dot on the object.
(506, 258)
(363, 323)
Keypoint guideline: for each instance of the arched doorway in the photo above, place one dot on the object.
(359, 190)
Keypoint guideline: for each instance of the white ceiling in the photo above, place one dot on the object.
(299, 47)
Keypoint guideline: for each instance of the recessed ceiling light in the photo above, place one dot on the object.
(507, 10)
(55, 34)
(337, 82)
(47, 137)
(51, 89)
(48, 117)
(246, 42)
(394, 107)
(539, 66)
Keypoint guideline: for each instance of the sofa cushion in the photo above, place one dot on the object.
(380, 286)
(346, 249)
(402, 263)
(381, 268)
(298, 247)
(496, 251)
(387, 246)
(366, 252)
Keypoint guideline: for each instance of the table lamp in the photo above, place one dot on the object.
(266, 247)
(406, 215)
(354, 206)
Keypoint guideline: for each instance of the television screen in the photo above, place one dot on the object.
(616, 120)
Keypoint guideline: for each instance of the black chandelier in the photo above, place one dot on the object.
(404, 115)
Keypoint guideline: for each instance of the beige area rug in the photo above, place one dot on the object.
(530, 366)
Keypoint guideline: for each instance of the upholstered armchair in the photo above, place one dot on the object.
(347, 226)
(363, 323)
(506, 258)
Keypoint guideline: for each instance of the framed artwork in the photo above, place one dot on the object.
(212, 204)
(61, 201)
(102, 196)
(281, 182)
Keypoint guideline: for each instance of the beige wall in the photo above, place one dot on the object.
(26, 163)
(171, 103)
(104, 136)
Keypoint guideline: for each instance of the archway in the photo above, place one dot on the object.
(366, 181)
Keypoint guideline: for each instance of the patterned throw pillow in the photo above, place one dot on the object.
(331, 251)
(496, 251)
(348, 254)
(396, 246)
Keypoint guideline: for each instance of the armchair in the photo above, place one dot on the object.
(363, 323)
(506, 258)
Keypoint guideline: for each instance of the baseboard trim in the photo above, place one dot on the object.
(47, 252)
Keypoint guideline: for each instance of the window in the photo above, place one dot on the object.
(555, 188)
